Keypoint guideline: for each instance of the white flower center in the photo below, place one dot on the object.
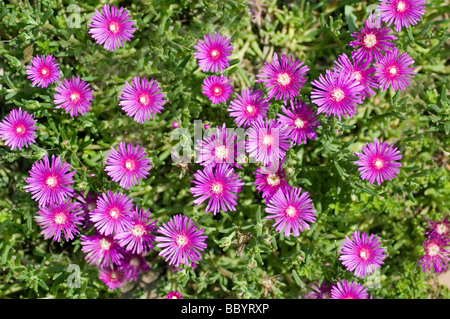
(370, 40)
(364, 254)
(337, 95)
(75, 97)
(181, 240)
(114, 213)
(250, 109)
(215, 53)
(138, 230)
(51, 181)
(268, 140)
(114, 276)
(283, 79)
(221, 152)
(217, 90)
(217, 187)
(144, 99)
(357, 75)
(134, 262)
(291, 211)
(104, 244)
(378, 163)
(392, 70)
(60, 218)
(299, 123)
(21, 129)
(130, 164)
(433, 249)
(91, 206)
(45, 72)
(441, 228)
(401, 6)
(273, 180)
(114, 27)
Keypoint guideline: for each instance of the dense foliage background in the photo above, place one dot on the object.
(245, 257)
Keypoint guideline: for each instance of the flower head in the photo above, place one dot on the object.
(283, 77)
(57, 219)
(299, 120)
(18, 129)
(435, 253)
(319, 292)
(142, 99)
(217, 88)
(378, 161)
(292, 210)
(113, 277)
(43, 71)
(222, 146)
(50, 183)
(393, 70)
(219, 184)
(181, 241)
(270, 179)
(101, 251)
(267, 141)
(345, 290)
(402, 13)
(74, 96)
(359, 69)
(133, 265)
(362, 254)
(372, 41)
(88, 205)
(440, 228)
(248, 107)
(138, 238)
(213, 52)
(112, 214)
(111, 27)
(174, 295)
(127, 165)
(336, 94)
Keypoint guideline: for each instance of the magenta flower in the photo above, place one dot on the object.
(319, 292)
(101, 251)
(347, 290)
(270, 179)
(440, 228)
(133, 265)
(292, 210)
(213, 52)
(336, 94)
(373, 41)
(18, 129)
(219, 184)
(300, 121)
(402, 13)
(181, 241)
(248, 107)
(142, 99)
(283, 77)
(393, 70)
(113, 277)
(378, 161)
(221, 146)
(174, 295)
(112, 214)
(111, 27)
(217, 88)
(138, 238)
(362, 254)
(435, 253)
(50, 183)
(127, 165)
(360, 70)
(57, 219)
(74, 96)
(267, 141)
(43, 71)
(88, 205)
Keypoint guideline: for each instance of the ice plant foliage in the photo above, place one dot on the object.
(213, 52)
(283, 77)
(436, 255)
(138, 238)
(346, 290)
(74, 96)
(50, 182)
(292, 211)
(58, 219)
(112, 214)
(267, 141)
(299, 120)
(361, 254)
(402, 13)
(43, 71)
(101, 251)
(372, 41)
(142, 99)
(248, 107)
(394, 71)
(217, 88)
(219, 185)
(378, 162)
(127, 164)
(111, 27)
(181, 241)
(18, 129)
(270, 179)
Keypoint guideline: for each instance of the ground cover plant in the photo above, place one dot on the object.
(224, 149)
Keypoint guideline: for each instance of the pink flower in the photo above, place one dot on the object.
(213, 52)
(18, 129)
(43, 71)
(217, 88)
(74, 96)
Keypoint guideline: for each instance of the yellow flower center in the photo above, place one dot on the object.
(273, 179)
